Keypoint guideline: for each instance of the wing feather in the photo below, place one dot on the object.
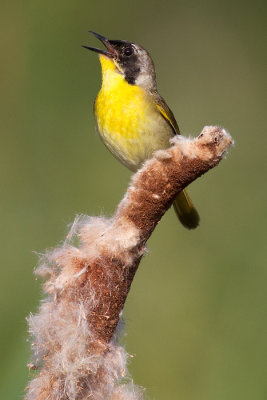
(165, 111)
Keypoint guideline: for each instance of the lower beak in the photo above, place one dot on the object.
(110, 52)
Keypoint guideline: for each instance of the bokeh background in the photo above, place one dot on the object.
(196, 317)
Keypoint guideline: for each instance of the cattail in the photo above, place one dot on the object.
(76, 332)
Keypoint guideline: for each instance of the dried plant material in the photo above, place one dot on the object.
(75, 333)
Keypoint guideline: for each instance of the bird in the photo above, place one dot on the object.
(132, 118)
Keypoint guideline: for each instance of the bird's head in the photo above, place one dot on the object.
(129, 59)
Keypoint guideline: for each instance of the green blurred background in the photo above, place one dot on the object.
(196, 317)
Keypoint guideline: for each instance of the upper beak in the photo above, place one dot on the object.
(110, 52)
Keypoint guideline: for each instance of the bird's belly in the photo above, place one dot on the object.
(131, 126)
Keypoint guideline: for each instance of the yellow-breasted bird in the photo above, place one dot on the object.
(133, 120)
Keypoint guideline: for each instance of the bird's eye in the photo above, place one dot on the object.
(128, 51)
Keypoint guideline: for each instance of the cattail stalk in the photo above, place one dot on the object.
(75, 333)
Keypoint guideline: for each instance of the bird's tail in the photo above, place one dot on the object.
(186, 211)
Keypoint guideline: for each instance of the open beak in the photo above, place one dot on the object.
(110, 52)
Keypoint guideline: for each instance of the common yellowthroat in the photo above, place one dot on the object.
(133, 120)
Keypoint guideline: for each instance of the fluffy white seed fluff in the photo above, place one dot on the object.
(74, 365)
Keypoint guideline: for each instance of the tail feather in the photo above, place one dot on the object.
(186, 211)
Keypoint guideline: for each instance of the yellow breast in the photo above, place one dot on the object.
(128, 120)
